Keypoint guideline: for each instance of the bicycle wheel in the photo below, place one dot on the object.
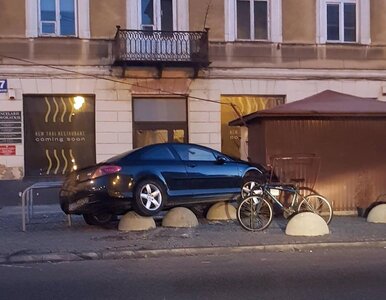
(250, 187)
(318, 205)
(254, 213)
(305, 191)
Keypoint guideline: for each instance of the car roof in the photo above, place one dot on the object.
(136, 152)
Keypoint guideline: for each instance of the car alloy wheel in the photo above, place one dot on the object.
(249, 187)
(149, 197)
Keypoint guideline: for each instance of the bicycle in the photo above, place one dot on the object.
(255, 211)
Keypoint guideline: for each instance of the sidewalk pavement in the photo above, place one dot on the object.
(49, 238)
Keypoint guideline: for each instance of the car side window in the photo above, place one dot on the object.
(158, 153)
(191, 153)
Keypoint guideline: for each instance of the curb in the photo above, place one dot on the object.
(135, 254)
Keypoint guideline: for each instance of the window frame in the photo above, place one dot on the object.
(252, 21)
(362, 22)
(274, 26)
(82, 20)
(57, 21)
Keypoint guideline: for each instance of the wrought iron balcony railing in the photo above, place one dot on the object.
(178, 48)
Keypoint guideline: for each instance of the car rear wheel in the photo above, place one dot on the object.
(98, 219)
(150, 197)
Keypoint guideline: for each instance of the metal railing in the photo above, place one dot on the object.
(132, 46)
(27, 200)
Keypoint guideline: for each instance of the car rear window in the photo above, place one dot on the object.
(158, 153)
(120, 156)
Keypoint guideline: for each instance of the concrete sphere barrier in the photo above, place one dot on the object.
(132, 221)
(221, 211)
(307, 224)
(377, 214)
(180, 217)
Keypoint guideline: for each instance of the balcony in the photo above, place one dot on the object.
(160, 49)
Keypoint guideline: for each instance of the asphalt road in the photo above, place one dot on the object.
(321, 274)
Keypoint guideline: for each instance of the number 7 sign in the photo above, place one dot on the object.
(3, 86)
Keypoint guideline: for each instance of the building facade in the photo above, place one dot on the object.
(76, 89)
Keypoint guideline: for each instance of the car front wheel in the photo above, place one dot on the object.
(150, 197)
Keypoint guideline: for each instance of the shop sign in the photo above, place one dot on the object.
(10, 127)
(59, 134)
(7, 149)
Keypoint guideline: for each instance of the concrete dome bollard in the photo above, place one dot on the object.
(307, 224)
(180, 217)
(377, 214)
(132, 221)
(221, 211)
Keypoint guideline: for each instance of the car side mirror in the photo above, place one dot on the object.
(220, 160)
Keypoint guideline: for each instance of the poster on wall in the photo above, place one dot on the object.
(7, 150)
(10, 127)
(59, 134)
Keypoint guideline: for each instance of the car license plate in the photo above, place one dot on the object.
(77, 204)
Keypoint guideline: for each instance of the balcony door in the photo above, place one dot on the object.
(157, 15)
(160, 39)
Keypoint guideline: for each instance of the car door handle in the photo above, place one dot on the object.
(191, 165)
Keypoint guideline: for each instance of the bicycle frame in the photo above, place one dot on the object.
(287, 188)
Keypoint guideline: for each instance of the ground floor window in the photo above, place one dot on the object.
(159, 120)
(59, 133)
(234, 139)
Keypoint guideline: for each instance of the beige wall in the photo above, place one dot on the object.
(105, 15)
(378, 17)
(12, 18)
(297, 13)
(214, 20)
(290, 56)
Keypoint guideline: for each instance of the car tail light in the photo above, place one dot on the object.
(105, 170)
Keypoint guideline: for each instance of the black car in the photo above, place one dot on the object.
(154, 177)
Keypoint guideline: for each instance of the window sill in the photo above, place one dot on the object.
(59, 36)
(342, 43)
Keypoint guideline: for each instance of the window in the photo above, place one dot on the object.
(341, 22)
(60, 18)
(57, 17)
(252, 19)
(193, 153)
(159, 153)
(159, 120)
(166, 15)
(157, 15)
(258, 20)
(344, 21)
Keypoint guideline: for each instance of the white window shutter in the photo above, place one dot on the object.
(133, 14)
(364, 22)
(182, 14)
(321, 26)
(83, 16)
(276, 21)
(31, 7)
(230, 20)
